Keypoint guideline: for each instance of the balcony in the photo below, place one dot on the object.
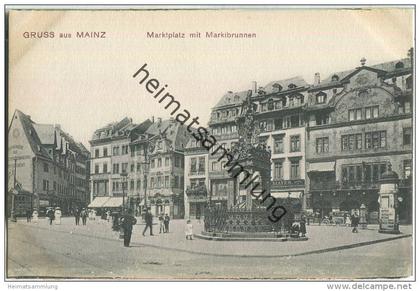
(196, 190)
(197, 173)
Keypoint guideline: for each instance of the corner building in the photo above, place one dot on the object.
(359, 122)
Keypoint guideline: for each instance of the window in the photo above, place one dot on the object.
(355, 114)
(166, 161)
(295, 121)
(105, 152)
(278, 145)
(124, 167)
(116, 151)
(407, 107)
(322, 145)
(193, 165)
(294, 170)
(351, 142)
(45, 185)
(270, 125)
(138, 184)
(132, 167)
(138, 167)
(177, 162)
(371, 112)
(46, 167)
(166, 181)
(152, 182)
(407, 169)
(131, 184)
(215, 166)
(374, 140)
(286, 122)
(322, 118)
(263, 125)
(270, 104)
(159, 162)
(321, 98)
(159, 182)
(115, 168)
(96, 153)
(124, 150)
(96, 169)
(278, 170)
(278, 123)
(407, 136)
(201, 164)
(295, 143)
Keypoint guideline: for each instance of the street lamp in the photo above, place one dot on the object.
(145, 174)
(124, 180)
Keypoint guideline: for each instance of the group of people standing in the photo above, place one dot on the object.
(81, 213)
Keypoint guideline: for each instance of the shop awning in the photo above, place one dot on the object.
(98, 201)
(285, 195)
(113, 202)
(322, 167)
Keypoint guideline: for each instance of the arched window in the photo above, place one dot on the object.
(292, 86)
(277, 86)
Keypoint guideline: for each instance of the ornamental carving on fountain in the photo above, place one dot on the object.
(249, 151)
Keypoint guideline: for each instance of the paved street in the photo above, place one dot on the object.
(95, 251)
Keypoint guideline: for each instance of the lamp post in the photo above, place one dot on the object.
(145, 174)
(14, 193)
(124, 180)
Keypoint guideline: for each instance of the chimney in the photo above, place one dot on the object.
(254, 87)
(317, 79)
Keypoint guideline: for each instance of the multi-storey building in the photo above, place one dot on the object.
(329, 141)
(196, 179)
(111, 164)
(165, 190)
(282, 129)
(47, 167)
(359, 121)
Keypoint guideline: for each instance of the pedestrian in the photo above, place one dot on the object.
(127, 222)
(108, 215)
(50, 215)
(348, 221)
(149, 222)
(188, 230)
(84, 215)
(57, 215)
(354, 222)
(161, 223)
(28, 215)
(303, 226)
(35, 216)
(166, 222)
(77, 216)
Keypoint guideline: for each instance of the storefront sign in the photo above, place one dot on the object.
(281, 184)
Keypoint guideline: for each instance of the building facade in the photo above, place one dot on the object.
(114, 165)
(196, 179)
(46, 167)
(360, 121)
(330, 141)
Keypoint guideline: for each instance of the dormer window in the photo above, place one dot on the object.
(321, 98)
(399, 65)
(236, 98)
(228, 100)
(335, 78)
(261, 91)
(277, 87)
(292, 86)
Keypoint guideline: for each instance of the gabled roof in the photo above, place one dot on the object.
(172, 130)
(31, 134)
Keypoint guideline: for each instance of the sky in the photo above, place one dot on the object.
(83, 84)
